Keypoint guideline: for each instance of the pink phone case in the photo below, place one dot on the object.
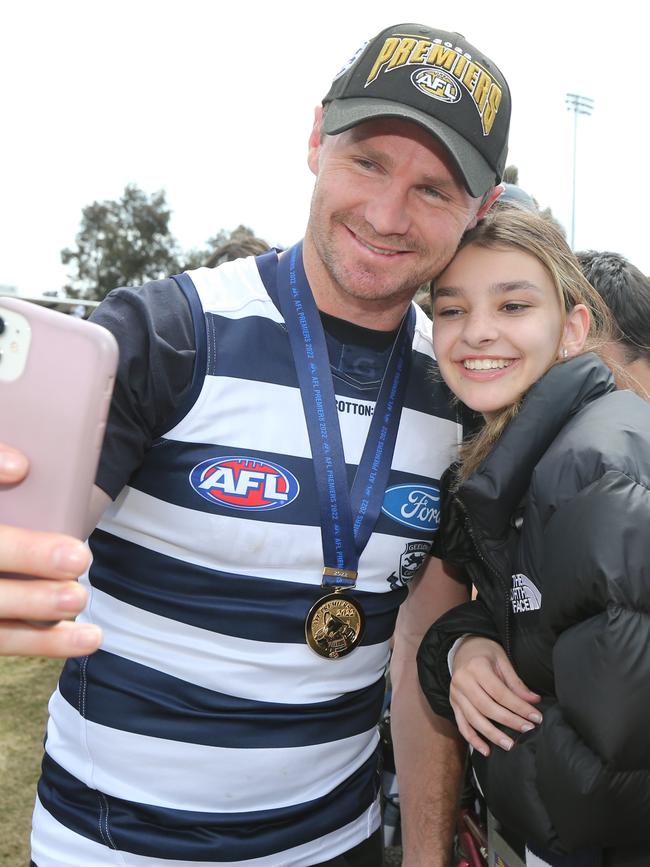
(55, 413)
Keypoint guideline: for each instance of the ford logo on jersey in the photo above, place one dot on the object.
(415, 506)
(244, 483)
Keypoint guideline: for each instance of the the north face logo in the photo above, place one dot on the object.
(524, 596)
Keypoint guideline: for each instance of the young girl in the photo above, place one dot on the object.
(548, 515)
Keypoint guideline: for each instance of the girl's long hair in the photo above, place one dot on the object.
(508, 227)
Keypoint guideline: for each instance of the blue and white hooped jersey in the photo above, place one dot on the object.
(205, 730)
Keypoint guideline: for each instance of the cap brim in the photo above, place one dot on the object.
(476, 174)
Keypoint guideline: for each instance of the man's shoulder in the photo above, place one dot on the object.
(234, 288)
(157, 310)
(149, 294)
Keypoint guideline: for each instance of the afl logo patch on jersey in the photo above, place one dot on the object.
(244, 483)
(415, 506)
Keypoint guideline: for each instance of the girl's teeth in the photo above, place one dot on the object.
(485, 363)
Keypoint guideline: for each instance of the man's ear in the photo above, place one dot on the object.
(315, 136)
(488, 200)
(486, 203)
(576, 329)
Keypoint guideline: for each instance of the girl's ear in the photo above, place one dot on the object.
(576, 329)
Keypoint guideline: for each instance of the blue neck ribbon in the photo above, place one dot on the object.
(348, 516)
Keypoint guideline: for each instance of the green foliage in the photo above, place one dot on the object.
(122, 243)
(128, 242)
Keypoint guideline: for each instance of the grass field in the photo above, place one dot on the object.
(25, 687)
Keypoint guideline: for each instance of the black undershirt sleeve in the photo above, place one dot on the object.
(153, 328)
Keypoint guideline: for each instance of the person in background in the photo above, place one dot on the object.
(515, 195)
(626, 291)
(547, 672)
(238, 248)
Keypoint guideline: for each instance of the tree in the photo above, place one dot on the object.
(122, 243)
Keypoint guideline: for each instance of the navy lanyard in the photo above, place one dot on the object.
(348, 517)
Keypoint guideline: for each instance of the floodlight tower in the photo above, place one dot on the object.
(578, 105)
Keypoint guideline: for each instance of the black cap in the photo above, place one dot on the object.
(438, 80)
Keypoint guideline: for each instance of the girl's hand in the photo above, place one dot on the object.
(485, 689)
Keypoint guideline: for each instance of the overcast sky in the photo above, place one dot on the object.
(212, 101)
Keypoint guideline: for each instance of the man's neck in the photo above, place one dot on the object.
(357, 335)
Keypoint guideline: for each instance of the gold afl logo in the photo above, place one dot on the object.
(436, 83)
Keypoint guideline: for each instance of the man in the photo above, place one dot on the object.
(239, 248)
(274, 446)
(626, 291)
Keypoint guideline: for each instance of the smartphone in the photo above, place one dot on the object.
(56, 380)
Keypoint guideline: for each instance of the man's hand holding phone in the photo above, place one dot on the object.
(57, 560)
(56, 380)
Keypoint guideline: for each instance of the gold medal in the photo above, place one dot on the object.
(334, 625)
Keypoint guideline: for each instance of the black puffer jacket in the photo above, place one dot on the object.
(559, 515)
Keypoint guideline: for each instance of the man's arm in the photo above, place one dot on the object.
(429, 754)
(52, 596)
(154, 330)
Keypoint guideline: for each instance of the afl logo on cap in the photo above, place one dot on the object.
(244, 483)
(436, 83)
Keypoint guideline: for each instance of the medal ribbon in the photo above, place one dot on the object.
(348, 516)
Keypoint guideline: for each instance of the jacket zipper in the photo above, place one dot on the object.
(493, 570)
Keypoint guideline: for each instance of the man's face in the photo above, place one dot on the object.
(387, 214)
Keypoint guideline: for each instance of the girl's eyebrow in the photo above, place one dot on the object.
(493, 289)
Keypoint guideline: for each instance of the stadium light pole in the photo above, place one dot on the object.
(578, 105)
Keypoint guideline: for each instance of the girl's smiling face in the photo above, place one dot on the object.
(498, 325)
